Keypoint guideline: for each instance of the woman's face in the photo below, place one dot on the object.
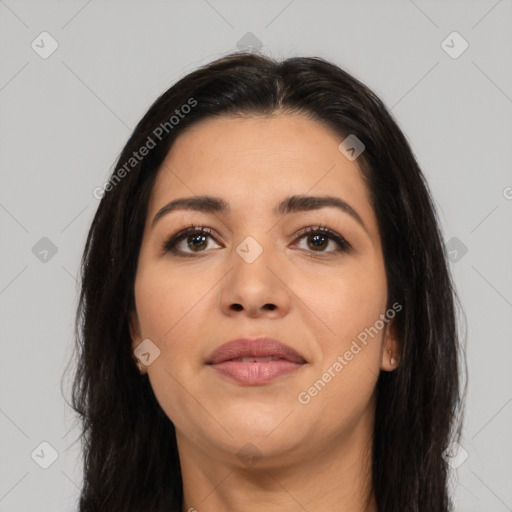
(256, 274)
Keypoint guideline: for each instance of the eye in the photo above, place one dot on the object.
(318, 238)
(196, 238)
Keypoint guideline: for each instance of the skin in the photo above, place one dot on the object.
(314, 456)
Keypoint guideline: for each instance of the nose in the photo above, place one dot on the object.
(255, 288)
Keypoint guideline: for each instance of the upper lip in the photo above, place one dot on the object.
(254, 347)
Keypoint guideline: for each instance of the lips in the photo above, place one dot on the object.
(250, 350)
(255, 361)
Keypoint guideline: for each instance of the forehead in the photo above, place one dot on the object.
(253, 162)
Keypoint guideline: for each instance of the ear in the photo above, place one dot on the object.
(391, 348)
(134, 326)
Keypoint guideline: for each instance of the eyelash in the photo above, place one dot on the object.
(169, 244)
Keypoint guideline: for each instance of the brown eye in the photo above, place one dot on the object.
(198, 241)
(196, 238)
(318, 241)
(319, 237)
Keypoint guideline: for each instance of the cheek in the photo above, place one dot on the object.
(176, 312)
(169, 311)
(163, 300)
(349, 305)
(345, 301)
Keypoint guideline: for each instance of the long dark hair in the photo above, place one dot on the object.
(131, 461)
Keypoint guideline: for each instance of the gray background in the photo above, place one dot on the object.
(65, 119)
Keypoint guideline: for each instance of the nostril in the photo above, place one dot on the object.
(239, 307)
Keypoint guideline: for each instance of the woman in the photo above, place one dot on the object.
(266, 319)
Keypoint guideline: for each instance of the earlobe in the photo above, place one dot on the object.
(391, 349)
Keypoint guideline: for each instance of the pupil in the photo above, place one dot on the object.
(318, 238)
(198, 238)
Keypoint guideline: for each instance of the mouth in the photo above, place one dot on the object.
(255, 361)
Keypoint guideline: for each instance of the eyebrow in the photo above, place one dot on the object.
(209, 204)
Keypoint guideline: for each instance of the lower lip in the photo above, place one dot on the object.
(256, 373)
